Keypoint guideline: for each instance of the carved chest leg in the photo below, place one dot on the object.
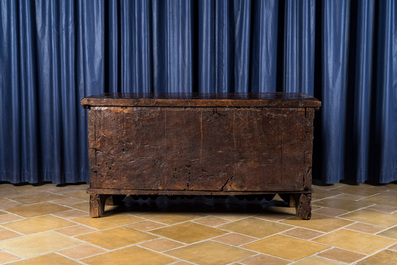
(303, 206)
(97, 205)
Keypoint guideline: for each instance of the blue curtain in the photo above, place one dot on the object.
(54, 53)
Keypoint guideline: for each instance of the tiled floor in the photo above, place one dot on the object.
(50, 225)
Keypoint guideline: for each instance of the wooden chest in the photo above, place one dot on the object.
(201, 144)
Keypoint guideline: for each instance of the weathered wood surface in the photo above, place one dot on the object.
(251, 100)
(230, 144)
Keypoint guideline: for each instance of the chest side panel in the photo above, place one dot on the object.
(224, 149)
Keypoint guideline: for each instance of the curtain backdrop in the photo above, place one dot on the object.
(54, 53)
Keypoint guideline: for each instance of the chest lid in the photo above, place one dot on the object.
(250, 100)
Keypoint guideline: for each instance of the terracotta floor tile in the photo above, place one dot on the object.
(381, 199)
(182, 263)
(38, 197)
(161, 244)
(188, 232)
(170, 218)
(355, 241)
(80, 195)
(210, 253)
(383, 208)
(330, 211)
(108, 221)
(37, 209)
(231, 216)
(69, 214)
(383, 257)
(342, 204)
(341, 255)
(83, 206)
(51, 258)
(367, 228)
(394, 247)
(38, 224)
(286, 247)
(115, 237)
(324, 194)
(38, 244)
(372, 217)
(303, 233)
(211, 221)
(82, 251)
(361, 189)
(9, 204)
(5, 218)
(69, 201)
(7, 257)
(392, 233)
(277, 213)
(75, 230)
(264, 259)
(124, 256)
(319, 222)
(146, 225)
(318, 261)
(235, 239)
(349, 197)
(255, 227)
(7, 234)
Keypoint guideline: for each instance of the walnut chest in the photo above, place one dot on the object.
(201, 144)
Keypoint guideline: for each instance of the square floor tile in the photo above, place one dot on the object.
(76, 230)
(286, 247)
(360, 189)
(82, 251)
(38, 244)
(146, 225)
(37, 209)
(383, 208)
(341, 255)
(38, 224)
(188, 232)
(318, 261)
(264, 260)
(392, 233)
(342, 204)
(319, 222)
(108, 221)
(83, 206)
(69, 214)
(37, 197)
(116, 237)
(383, 257)
(235, 239)
(161, 245)
(382, 199)
(210, 253)
(7, 234)
(6, 218)
(255, 227)
(7, 257)
(372, 217)
(125, 256)
(9, 204)
(211, 221)
(355, 241)
(330, 211)
(394, 247)
(367, 228)
(303, 233)
(170, 218)
(51, 258)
